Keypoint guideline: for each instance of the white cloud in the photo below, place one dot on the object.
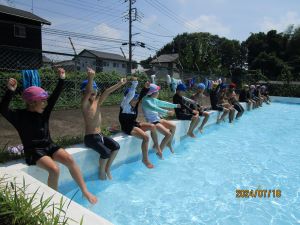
(208, 23)
(282, 23)
(7, 3)
(106, 31)
(150, 20)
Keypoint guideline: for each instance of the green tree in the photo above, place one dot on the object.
(270, 65)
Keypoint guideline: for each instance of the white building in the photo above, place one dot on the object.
(166, 64)
(101, 61)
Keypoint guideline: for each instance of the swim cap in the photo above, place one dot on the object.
(252, 86)
(223, 86)
(201, 86)
(153, 89)
(136, 95)
(232, 85)
(181, 87)
(126, 91)
(34, 93)
(85, 82)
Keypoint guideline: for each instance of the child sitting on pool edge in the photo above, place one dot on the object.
(90, 105)
(32, 125)
(129, 124)
(185, 112)
(151, 108)
(198, 105)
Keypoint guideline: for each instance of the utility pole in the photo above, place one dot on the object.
(72, 46)
(131, 16)
(130, 38)
(75, 53)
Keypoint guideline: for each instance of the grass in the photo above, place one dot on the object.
(66, 141)
(18, 207)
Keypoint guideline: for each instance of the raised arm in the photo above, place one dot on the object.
(131, 92)
(144, 91)
(89, 87)
(108, 91)
(55, 94)
(4, 104)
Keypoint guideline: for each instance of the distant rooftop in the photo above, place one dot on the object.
(166, 58)
(105, 55)
(23, 14)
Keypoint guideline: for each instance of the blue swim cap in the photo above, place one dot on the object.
(136, 95)
(181, 87)
(201, 86)
(85, 82)
(223, 86)
(126, 91)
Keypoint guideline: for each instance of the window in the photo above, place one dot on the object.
(115, 65)
(105, 64)
(20, 31)
(123, 65)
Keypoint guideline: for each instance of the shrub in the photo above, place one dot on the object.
(6, 156)
(18, 207)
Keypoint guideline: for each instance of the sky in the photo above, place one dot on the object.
(158, 22)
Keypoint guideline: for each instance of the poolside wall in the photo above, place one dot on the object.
(285, 99)
(130, 151)
(87, 160)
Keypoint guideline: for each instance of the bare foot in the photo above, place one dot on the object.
(219, 121)
(108, 174)
(91, 198)
(191, 135)
(157, 147)
(171, 148)
(102, 176)
(159, 155)
(201, 130)
(148, 164)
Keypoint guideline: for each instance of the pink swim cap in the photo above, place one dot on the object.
(34, 93)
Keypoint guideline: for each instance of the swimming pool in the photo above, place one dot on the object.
(197, 185)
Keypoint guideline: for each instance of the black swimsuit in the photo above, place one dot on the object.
(128, 121)
(184, 112)
(33, 127)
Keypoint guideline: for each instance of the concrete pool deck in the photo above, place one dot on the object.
(88, 163)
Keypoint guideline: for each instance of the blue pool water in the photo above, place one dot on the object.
(197, 185)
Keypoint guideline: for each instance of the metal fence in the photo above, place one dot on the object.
(14, 60)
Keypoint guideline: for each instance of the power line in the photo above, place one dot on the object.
(81, 35)
(68, 16)
(106, 47)
(153, 33)
(169, 13)
(78, 6)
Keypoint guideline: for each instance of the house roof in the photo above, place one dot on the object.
(105, 55)
(166, 58)
(23, 14)
(46, 59)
